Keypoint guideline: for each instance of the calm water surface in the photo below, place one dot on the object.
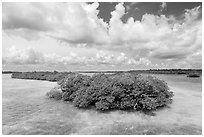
(26, 110)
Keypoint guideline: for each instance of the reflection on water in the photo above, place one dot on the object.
(26, 110)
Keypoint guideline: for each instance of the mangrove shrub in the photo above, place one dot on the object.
(125, 91)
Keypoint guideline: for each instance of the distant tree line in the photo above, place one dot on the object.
(55, 75)
(41, 75)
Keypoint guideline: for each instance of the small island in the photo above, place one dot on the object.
(106, 90)
(123, 91)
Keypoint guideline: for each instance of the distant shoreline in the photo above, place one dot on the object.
(151, 71)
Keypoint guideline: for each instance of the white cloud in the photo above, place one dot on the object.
(129, 6)
(161, 37)
(69, 22)
(162, 6)
(25, 56)
(155, 33)
(14, 56)
(121, 59)
(192, 14)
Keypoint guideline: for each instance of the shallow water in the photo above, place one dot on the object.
(26, 110)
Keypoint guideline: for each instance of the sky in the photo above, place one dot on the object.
(101, 36)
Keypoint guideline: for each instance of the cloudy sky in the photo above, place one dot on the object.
(101, 36)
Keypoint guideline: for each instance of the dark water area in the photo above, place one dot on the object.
(26, 110)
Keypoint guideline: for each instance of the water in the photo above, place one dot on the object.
(26, 110)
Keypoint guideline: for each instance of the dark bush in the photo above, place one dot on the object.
(103, 105)
(71, 84)
(193, 75)
(116, 91)
(82, 99)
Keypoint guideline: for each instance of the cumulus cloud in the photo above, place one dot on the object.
(14, 56)
(162, 7)
(162, 37)
(122, 59)
(24, 16)
(69, 22)
(129, 6)
(25, 56)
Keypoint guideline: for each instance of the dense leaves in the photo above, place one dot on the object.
(116, 91)
(193, 75)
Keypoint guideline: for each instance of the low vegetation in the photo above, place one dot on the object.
(48, 76)
(150, 71)
(125, 91)
(56, 76)
(153, 71)
(193, 75)
(55, 93)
